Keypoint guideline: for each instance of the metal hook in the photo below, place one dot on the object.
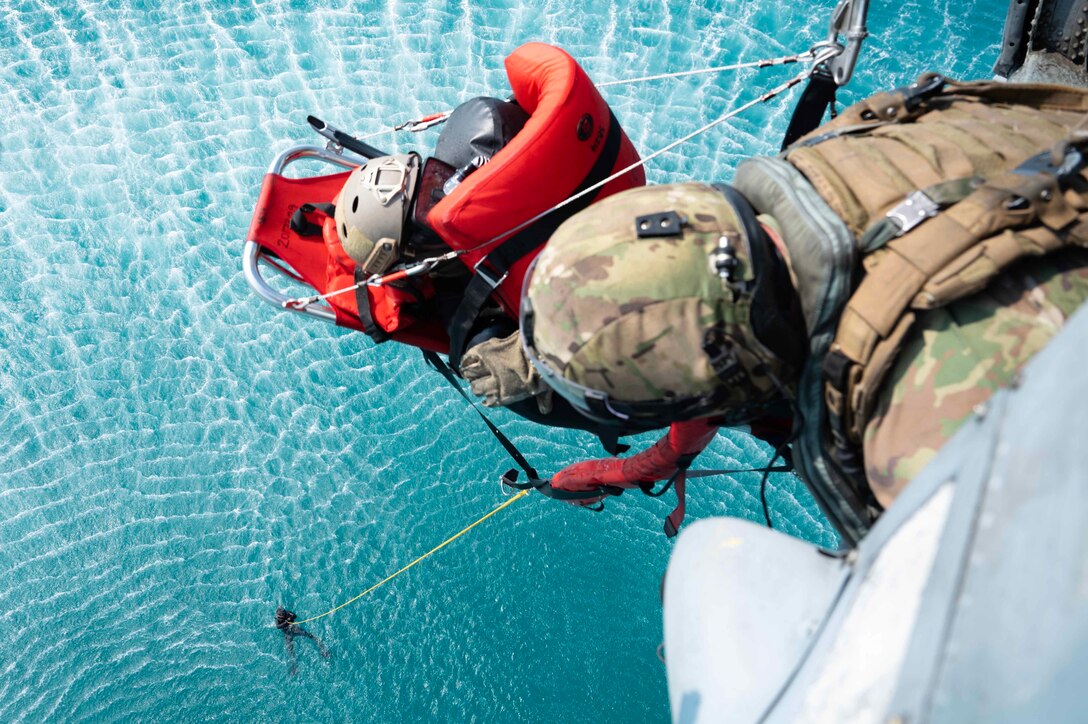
(824, 52)
(300, 303)
(847, 19)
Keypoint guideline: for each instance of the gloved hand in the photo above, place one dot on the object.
(656, 463)
(498, 371)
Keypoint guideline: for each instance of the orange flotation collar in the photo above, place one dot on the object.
(570, 142)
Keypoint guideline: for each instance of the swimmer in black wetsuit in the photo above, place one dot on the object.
(285, 621)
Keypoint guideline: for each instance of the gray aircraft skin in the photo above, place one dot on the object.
(968, 599)
(1045, 41)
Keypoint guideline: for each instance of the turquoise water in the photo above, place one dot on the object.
(177, 458)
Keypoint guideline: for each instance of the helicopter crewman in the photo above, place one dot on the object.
(877, 281)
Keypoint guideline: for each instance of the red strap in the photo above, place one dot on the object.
(676, 517)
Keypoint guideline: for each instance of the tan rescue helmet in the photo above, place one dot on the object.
(373, 209)
(663, 303)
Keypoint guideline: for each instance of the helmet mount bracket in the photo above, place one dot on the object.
(660, 224)
(387, 180)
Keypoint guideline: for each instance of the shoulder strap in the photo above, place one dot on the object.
(934, 90)
(362, 300)
(1034, 209)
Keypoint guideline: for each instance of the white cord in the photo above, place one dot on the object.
(716, 69)
(817, 58)
(800, 77)
(784, 60)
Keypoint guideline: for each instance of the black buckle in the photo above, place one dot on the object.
(915, 95)
(1072, 162)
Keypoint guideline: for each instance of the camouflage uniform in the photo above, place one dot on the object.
(943, 315)
(959, 356)
(954, 360)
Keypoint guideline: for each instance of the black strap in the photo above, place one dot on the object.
(362, 300)
(809, 113)
(914, 96)
(303, 226)
(610, 441)
(492, 269)
(510, 477)
(435, 361)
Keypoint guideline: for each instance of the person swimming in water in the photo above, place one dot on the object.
(285, 621)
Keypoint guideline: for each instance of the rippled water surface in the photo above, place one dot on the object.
(177, 458)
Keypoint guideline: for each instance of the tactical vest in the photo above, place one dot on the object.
(908, 201)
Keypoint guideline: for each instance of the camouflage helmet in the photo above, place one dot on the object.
(657, 303)
(373, 207)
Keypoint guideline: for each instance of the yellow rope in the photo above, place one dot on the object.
(437, 548)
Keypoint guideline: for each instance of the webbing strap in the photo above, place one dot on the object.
(877, 317)
(809, 112)
(436, 362)
(678, 481)
(942, 195)
(676, 517)
(304, 227)
(362, 300)
(492, 269)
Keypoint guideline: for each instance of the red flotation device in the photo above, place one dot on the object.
(570, 142)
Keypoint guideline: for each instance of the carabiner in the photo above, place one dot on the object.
(848, 18)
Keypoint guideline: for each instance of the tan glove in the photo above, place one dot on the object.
(498, 371)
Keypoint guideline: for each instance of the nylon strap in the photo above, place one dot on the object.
(679, 482)
(676, 517)
(809, 112)
(304, 227)
(878, 315)
(362, 300)
(436, 362)
(492, 269)
(944, 194)
(896, 106)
